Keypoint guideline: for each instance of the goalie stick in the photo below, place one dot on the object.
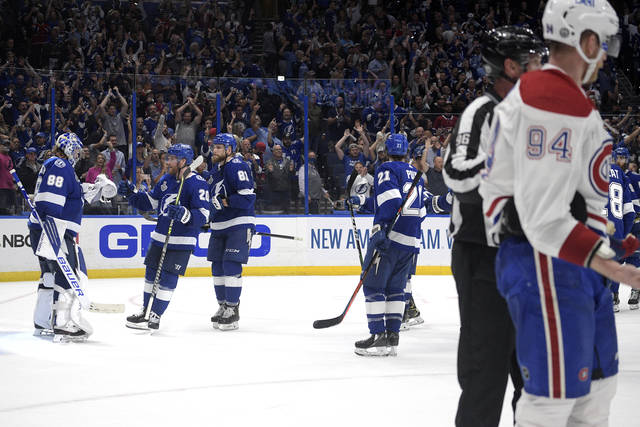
(51, 231)
(147, 310)
(356, 234)
(327, 323)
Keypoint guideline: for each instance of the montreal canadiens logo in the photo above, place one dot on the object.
(583, 375)
(599, 169)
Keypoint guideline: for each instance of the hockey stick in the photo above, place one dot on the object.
(279, 236)
(356, 234)
(147, 310)
(327, 323)
(207, 227)
(51, 231)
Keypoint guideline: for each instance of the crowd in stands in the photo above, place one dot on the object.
(192, 70)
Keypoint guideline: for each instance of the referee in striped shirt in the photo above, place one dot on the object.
(486, 347)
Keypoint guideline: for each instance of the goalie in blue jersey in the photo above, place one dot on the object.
(58, 195)
(384, 285)
(232, 226)
(184, 216)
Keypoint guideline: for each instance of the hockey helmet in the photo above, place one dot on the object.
(515, 43)
(397, 144)
(564, 21)
(181, 151)
(70, 145)
(621, 153)
(226, 139)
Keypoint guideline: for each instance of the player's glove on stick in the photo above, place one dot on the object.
(379, 239)
(217, 203)
(356, 201)
(179, 213)
(125, 188)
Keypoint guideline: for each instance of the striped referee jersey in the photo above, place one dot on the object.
(464, 159)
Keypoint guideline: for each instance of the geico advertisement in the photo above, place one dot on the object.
(122, 242)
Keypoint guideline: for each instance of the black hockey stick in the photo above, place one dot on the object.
(207, 227)
(327, 323)
(156, 281)
(50, 230)
(356, 234)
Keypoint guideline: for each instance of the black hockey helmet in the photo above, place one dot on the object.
(511, 42)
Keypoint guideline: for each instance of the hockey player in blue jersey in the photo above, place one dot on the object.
(434, 205)
(185, 216)
(58, 195)
(634, 179)
(232, 226)
(383, 286)
(621, 214)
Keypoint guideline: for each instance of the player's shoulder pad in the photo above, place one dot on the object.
(198, 177)
(54, 162)
(553, 91)
(235, 164)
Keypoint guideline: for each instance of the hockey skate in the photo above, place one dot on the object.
(137, 321)
(154, 322)
(375, 345)
(215, 319)
(69, 333)
(392, 341)
(229, 319)
(616, 303)
(41, 331)
(633, 299)
(411, 316)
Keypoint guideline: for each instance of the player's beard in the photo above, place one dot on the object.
(219, 158)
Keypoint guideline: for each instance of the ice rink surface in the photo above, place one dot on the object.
(275, 370)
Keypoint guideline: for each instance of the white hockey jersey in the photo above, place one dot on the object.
(548, 143)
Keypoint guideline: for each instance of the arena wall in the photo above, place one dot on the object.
(115, 246)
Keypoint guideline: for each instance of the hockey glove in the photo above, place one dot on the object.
(217, 203)
(379, 239)
(179, 213)
(356, 200)
(626, 247)
(125, 188)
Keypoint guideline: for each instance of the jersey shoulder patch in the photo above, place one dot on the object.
(59, 163)
(555, 92)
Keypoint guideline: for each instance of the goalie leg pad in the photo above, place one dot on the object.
(44, 303)
(68, 324)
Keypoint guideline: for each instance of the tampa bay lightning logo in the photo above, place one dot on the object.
(166, 201)
(220, 189)
(599, 167)
(362, 188)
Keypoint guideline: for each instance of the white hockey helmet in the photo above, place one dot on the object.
(564, 21)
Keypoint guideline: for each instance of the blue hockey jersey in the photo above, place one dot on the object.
(620, 205)
(391, 185)
(58, 194)
(294, 152)
(234, 182)
(194, 196)
(634, 180)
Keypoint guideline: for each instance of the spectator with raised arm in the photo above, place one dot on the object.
(113, 120)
